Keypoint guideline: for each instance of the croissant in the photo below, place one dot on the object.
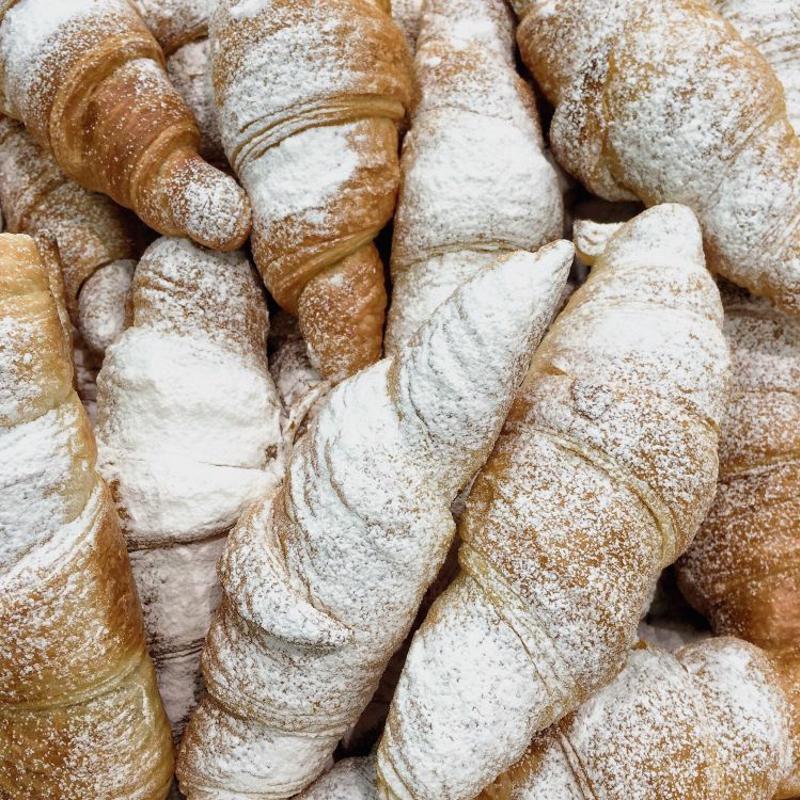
(774, 29)
(743, 570)
(92, 233)
(187, 426)
(322, 578)
(708, 722)
(600, 478)
(87, 79)
(317, 154)
(181, 28)
(661, 100)
(475, 179)
(80, 715)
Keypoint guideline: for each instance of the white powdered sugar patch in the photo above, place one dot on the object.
(35, 32)
(188, 448)
(36, 457)
(774, 28)
(104, 304)
(747, 712)
(302, 174)
(188, 427)
(474, 174)
(322, 580)
(349, 779)
(28, 30)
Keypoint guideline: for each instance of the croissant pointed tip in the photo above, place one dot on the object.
(668, 229)
(210, 206)
(526, 277)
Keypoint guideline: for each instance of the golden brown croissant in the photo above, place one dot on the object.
(317, 152)
(475, 178)
(774, 28)
(743, 570)
(181, 28)
(80, 716)
(187, 430)
(322, 579)
(662, 100)
(90, 230)
(600, 478)
(87, 79)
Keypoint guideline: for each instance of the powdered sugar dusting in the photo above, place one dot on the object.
(743, 570)
(80, 712)
(474, 175)
(664, 101)
(189, 69)
(774, 28)
(187, 428)
(301, 176)
(317, 151)
(38, 199)
(104, 304)
(408, 15)
(349, 779)
(604, 470)
(315, 599)
(707, 722)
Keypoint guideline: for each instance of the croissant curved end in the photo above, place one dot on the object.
(209, 206)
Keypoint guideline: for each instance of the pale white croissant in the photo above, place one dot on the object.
(604, 470)
(475, 180)
(322, 579)
(187, 424)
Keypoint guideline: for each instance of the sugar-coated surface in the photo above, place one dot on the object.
(475, 179)
(662, 100)
(709, 723)
(323, 578)
(600, 478)
(187, 430)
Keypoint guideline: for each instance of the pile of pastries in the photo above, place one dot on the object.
(400, 404)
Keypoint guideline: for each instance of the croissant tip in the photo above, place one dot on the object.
(534, 270)
(212, 209)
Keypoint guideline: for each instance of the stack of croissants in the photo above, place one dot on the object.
(400, 403)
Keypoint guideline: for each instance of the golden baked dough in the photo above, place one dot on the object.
(317, 152)
(743, 569)
(662, 101)
(80, 714)
(88, 80)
